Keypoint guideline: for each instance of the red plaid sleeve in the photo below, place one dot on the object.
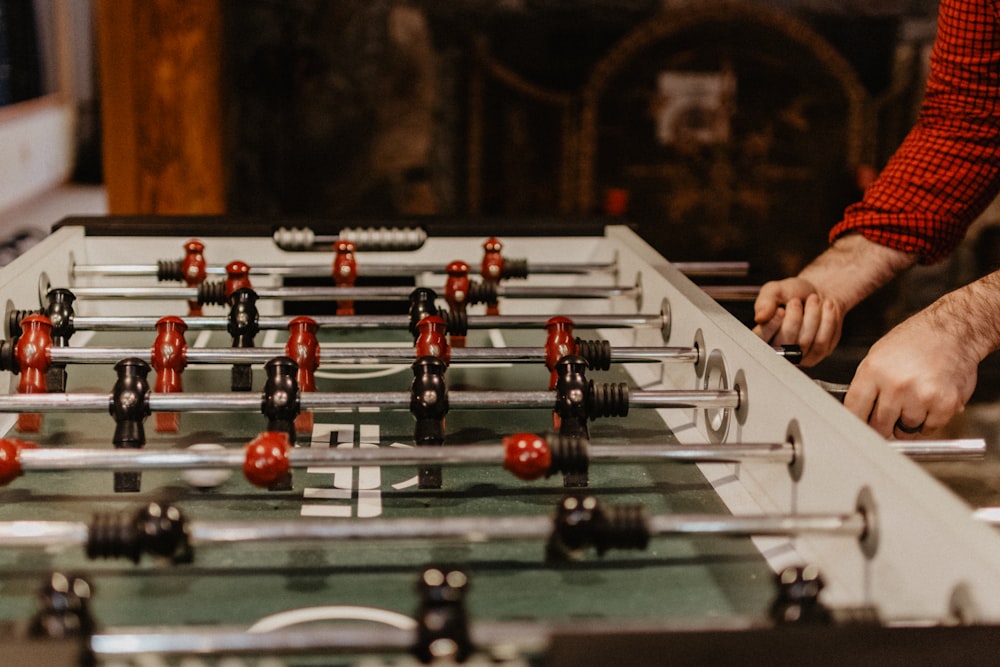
(947, 170)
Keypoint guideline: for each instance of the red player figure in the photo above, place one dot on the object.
(345, 272)
(432, 339)
(456, 292)
(193, 270)
(492, 268)
(32, 353)
(237, 276)
(266, 460)
(527, 455)
(10, 459)
(169, 359)
(303, 348)
(558, 344)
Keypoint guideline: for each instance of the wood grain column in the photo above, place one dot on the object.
(160, 64)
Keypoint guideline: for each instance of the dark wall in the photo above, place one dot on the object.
(20, 76)
(478, 110)
(313, 85)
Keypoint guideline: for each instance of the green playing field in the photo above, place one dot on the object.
(675, 578)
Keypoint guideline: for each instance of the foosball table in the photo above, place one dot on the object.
(576, 456)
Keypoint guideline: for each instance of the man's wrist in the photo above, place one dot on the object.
(853, 267)
(970, 315)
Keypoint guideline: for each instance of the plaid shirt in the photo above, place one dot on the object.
(947, 170)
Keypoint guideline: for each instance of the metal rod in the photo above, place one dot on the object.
(227, 641)
(359, 355)
(499, 637)
(220, 323)
(732, 292)
(384, 293)
(63, 459)
(678, 398)
(693, 269)
(467, 529)
(365, 238)
(323, 401)
(366, 269)
(962, 449)
(848, 525)
(56, 534)
(988, 515)
(713, 269)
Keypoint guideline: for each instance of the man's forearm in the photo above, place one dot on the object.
(853, 268)
(970, 315)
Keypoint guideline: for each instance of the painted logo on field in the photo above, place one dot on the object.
(346, 491)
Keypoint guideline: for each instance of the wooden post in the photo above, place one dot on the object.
(160, 64)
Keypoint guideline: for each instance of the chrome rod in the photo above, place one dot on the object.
(732, 292)
(203, 641)
(713, 269)
(323, 401)
(359, 355)
(962, 449)
(848, 525)
(220, 323)
(49, 460)
(988, 515)
(386, 293)
(490, 637)
(466, 529)
(62, 459)
(366, 269)
(693, 269)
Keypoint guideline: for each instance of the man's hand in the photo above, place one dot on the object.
(793, 312)
(923, 372)
(913, 380)
(808, 310)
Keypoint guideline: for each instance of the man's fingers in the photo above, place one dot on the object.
(768, 303)
(792, 324)
(860, 398)
(883, 416)
(811, 314)
(826, 337)
(908, 428)
(767, 330)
